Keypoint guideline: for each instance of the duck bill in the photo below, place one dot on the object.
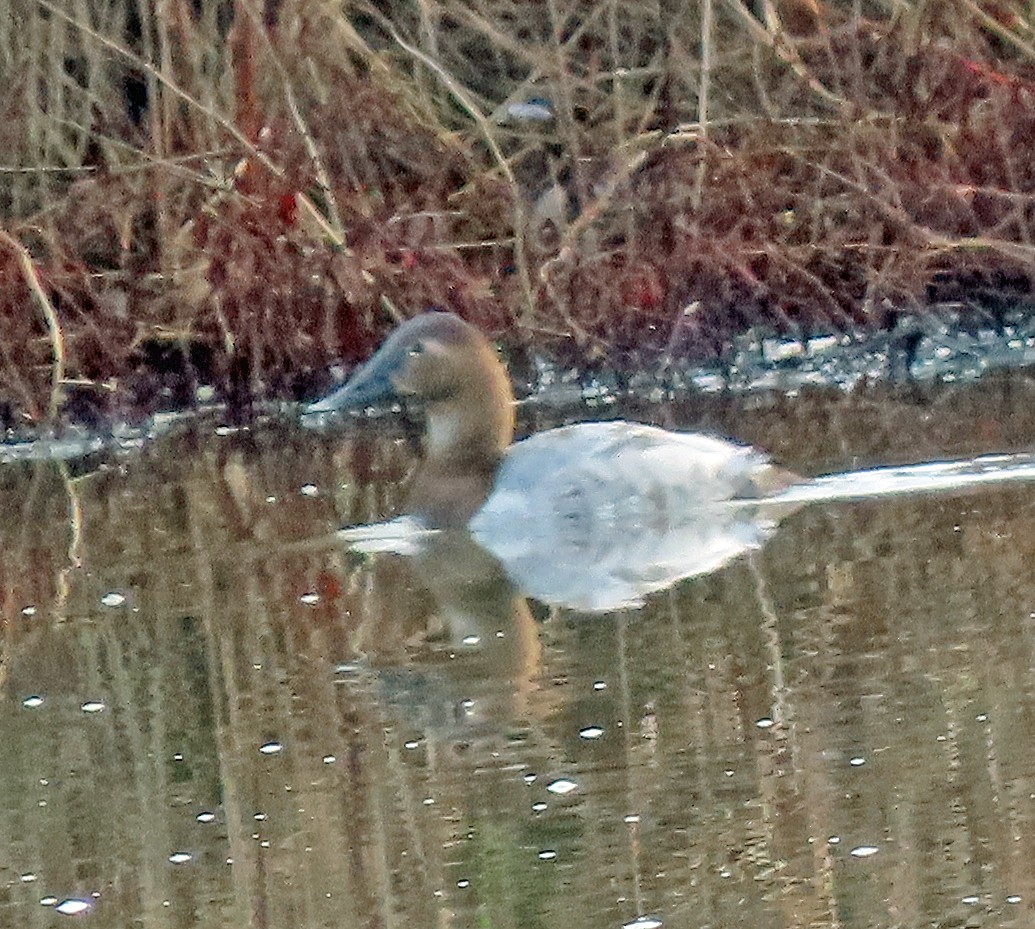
(369, 386)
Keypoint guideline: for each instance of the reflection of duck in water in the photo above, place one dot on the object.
(593, 515)
(450, 641)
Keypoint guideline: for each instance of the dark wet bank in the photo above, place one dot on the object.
(945, 345)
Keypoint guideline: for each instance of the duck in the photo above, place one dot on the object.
(594, 516)
(474, 474)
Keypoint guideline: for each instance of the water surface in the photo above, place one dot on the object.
(214, 715)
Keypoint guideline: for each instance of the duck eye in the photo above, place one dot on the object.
(416, 350)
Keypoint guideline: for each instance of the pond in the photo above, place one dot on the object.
(214, 714)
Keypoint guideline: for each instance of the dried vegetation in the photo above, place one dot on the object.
(236, 193)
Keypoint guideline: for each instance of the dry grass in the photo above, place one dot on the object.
(231, 193)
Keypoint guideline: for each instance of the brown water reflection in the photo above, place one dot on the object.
(341, 741)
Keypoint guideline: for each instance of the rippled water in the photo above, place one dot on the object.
(212, 714)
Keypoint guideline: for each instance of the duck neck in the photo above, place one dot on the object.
(469, 431)
(466, 435)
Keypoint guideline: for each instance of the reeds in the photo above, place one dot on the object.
(239, 189)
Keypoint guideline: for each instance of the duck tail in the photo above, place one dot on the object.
(767, 481)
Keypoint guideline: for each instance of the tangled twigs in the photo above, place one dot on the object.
(333, 234)
(485, 127)
(57, 337)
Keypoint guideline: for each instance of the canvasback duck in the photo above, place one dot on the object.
(594, 516)
(472, 474)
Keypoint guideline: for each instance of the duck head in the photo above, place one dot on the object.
(453, 370)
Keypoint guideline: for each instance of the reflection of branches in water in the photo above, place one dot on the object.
(635, 792)
(770, 624)
(870, 629)
(75, 530)
(271, 677)
(46, 599)
(784, 785)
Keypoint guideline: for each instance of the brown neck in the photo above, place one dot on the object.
(465, 439)
(475, 423)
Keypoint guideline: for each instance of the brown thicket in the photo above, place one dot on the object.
(237, 193)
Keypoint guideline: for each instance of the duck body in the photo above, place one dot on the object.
(616, 473)
(595, 516)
